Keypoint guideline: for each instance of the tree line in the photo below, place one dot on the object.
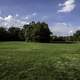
(35, 32)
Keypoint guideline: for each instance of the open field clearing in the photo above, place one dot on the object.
(38, 61)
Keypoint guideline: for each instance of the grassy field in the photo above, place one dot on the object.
(37, 61)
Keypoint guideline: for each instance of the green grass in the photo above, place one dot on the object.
(37, 61)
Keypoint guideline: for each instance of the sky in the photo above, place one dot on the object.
(62, 16)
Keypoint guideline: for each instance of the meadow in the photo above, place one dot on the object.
(39, 61)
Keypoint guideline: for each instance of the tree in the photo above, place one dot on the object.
(21, 35)
(3, 34)
(27, 32)
(77, 35)
(37, 32)
(44, 32)
(14, 33)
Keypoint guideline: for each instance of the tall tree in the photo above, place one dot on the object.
(37, 32)
(3, 34)
(14, 33)
(77, 35)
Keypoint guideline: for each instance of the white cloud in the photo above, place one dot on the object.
(10, 20)
(67, 6)
(63, 29)
(16, 20)
(1, 18)
(9, 17)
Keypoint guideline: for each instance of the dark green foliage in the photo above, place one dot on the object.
(77, 35)
(21, 35)
(14, 33)
(59, 39)
(3, 34)
(37, 32)
(34, 32)
(11, 34)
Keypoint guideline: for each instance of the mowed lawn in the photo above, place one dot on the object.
(39, 61)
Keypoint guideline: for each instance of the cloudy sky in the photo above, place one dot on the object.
(63, 16)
